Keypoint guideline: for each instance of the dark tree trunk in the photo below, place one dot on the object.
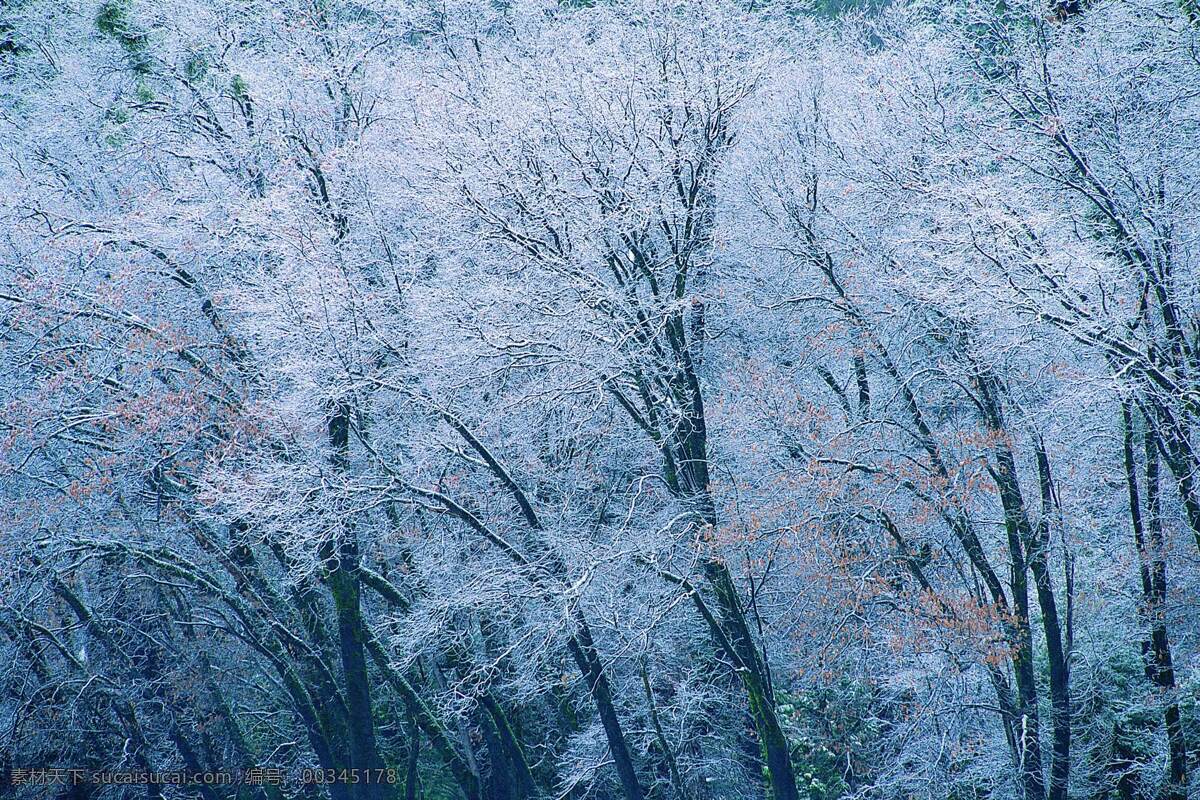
(411, 774)
(583, 650)
(692, 484)
(514, 754)
(1057, 657)
(1027, 555)
(1149, 540)
(343, 581)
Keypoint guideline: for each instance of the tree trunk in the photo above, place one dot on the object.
(1149, 540)
(1029, 551)
(752, 669)
(514, 754)
(1056, 654)
(583, 650)
(343, 581)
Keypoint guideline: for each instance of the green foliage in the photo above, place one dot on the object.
(196, 67)
(10, 45)
(1118, 724)
(13, 44)
(836, 8)
(1189, 707)
(239, 89)
(115, 20)
(829, 727)
(113, 130)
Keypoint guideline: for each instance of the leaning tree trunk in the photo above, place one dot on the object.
(691, 481)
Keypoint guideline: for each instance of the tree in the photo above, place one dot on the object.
(657, 400)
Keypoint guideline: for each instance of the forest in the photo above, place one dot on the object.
(599, 399)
